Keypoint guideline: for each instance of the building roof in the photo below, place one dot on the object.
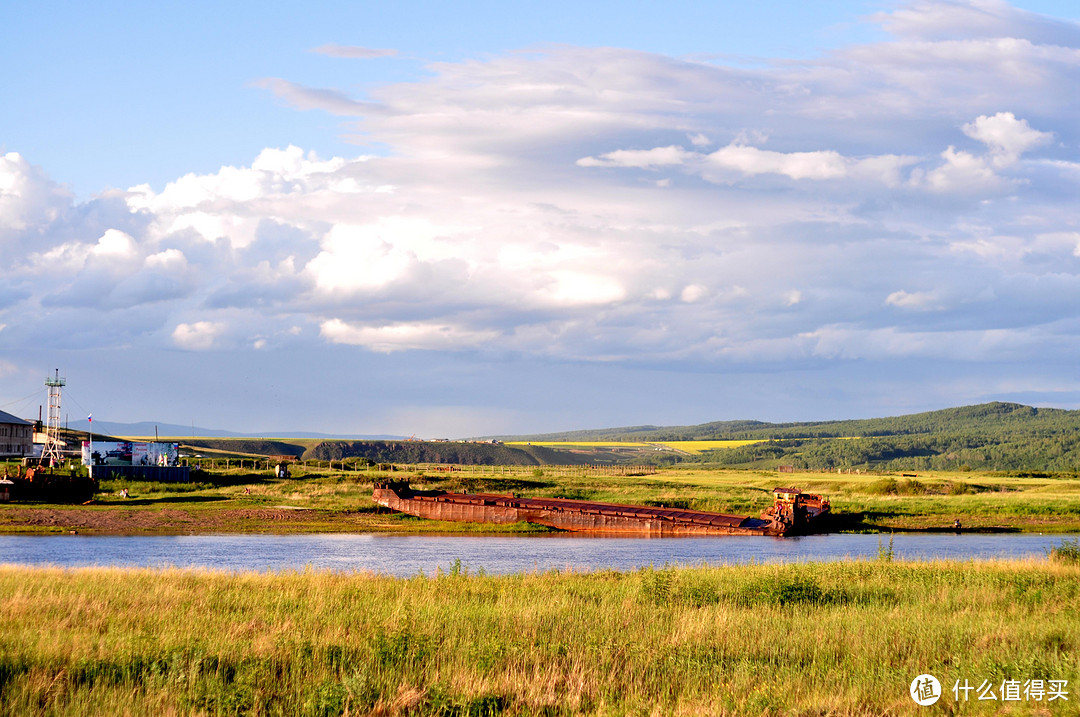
(8, 418)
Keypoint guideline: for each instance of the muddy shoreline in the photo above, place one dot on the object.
(112, 520)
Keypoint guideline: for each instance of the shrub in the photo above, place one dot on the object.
(1068, 552)
(891, 486)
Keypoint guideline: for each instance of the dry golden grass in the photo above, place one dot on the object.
(838, 638)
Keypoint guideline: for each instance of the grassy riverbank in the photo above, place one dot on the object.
(839, 638)
(325, 501)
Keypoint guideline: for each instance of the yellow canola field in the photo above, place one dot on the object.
(684, 446)
(581, 444)
(700, 446)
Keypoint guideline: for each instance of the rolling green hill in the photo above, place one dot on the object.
(990, 436)
(994, 417)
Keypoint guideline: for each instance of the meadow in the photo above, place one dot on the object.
(841, 638)
(809, 639)
(336, 497)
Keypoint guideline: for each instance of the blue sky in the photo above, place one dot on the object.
(174, 85)
(450, 220)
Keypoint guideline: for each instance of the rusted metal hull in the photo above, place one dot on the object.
(569, 515)
(801, 512)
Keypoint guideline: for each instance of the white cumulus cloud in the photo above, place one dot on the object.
(1007, 136)
(607, 204)
(197, 336)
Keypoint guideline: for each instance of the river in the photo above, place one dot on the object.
(409, 555)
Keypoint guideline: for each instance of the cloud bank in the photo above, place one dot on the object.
(914, 198)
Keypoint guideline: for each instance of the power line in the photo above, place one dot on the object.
(77, 404)
(36, 395)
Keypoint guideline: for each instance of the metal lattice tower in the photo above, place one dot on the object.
(50, 453)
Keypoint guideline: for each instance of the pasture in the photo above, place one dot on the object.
(839, 638)
(331, 496)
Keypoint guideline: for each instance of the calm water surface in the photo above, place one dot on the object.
(407, 555)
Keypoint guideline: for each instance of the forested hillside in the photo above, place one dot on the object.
(990, 418)
(991, 436)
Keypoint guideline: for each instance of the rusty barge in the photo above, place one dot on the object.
(792, 512)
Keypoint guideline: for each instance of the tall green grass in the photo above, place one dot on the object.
(837, 638)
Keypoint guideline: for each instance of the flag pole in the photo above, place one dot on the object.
(90, 420)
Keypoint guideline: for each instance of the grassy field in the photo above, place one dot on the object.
(811, 639)
(240, 500)
(808, 639)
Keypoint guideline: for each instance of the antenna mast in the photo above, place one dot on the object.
(50, 453)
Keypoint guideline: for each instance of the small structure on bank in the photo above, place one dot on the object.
(135, 460)
(16, 437)
(50, 481)
(795, 508)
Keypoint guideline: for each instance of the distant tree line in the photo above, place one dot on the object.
(451, 452)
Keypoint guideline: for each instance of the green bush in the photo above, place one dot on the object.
(1068, 552)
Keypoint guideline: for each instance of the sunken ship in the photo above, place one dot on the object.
(792, 512)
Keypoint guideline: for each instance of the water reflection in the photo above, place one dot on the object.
(408, 555)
